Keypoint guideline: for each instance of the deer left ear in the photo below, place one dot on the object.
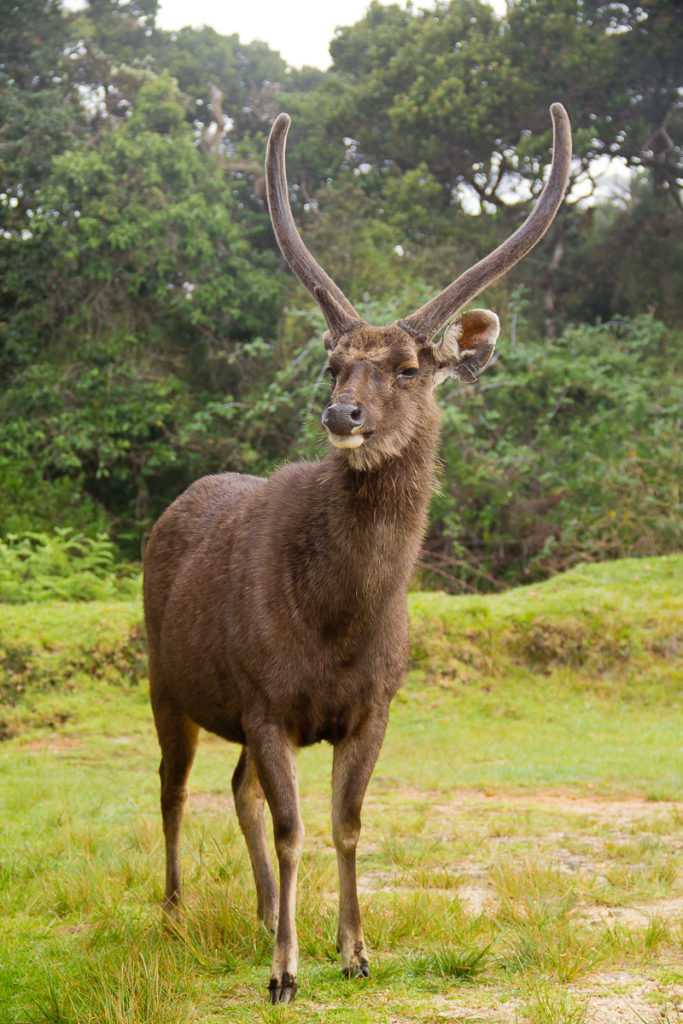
(467, 345)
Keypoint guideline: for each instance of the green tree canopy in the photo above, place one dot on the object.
(144, 289)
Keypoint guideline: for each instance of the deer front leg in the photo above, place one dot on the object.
(275, 759)
(352, 765)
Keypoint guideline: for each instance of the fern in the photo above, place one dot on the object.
(62, 565)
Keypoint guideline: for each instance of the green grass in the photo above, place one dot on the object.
(521, 838)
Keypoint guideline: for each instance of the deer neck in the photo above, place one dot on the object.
(377, 518)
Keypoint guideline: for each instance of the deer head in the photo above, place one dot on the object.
(382, 375)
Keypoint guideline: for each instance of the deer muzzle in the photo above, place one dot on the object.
(346, 424)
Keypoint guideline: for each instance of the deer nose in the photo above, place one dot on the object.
(344, 417)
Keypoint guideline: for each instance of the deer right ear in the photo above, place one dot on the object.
(467, 345)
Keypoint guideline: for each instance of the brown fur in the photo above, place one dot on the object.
(276, 617)
(276, 609)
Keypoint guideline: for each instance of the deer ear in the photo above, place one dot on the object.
(467, 346)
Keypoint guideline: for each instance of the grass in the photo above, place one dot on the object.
(520, 856)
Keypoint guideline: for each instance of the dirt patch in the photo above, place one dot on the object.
(609, 809)
(636, 1003)
(51, 744)
(637, 915)
(616, 812)
(204, 799)
(475, 898)
(459, 1009)
(613, 1010)
(616, 997)
(577, 834)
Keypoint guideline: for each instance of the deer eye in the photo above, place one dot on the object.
(407, 373)
(332, 374)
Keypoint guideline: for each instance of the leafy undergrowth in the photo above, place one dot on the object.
(63, 565)
(520, 856)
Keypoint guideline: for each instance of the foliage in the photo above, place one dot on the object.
(64, 566)
(563, 452)
(39, 116)
(645, 106)
(419, 97)
(150, 282)
(625, 258)
(424, 87)
(246, 75)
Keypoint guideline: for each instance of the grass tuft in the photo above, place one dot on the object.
(546, 1005)
(453, 963)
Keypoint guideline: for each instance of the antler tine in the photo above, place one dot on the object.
(336, 308)
(429, 319)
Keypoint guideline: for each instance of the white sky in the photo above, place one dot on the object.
(299, 30)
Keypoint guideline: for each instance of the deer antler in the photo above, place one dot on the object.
(431, 317)
(336, 308)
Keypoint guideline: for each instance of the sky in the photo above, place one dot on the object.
(299, 30)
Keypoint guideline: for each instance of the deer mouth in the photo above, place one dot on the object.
(347, 440)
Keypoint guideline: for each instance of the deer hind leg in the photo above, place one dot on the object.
(275, 759)
(249, 801)
(352, 765)
(178, 740)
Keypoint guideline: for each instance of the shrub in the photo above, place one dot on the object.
(63, 565)
(563, 453)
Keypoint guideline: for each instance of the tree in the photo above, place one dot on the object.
(565, 452)
(150, 294)
(247, 75)
(644, 109)
(39, 116)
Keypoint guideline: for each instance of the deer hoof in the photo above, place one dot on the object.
(355, 963)
(359, 970)
(282, 990)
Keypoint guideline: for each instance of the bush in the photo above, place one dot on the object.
(63, 565)
(563, 453)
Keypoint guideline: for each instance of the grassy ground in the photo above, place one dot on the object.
(520, 857)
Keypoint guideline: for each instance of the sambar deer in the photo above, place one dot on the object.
(276, 608)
